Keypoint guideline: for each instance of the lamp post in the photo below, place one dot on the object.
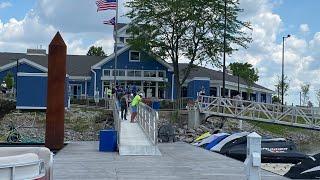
(282, 77)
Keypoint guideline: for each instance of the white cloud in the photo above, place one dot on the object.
(265, 52)
(5, 4)
(107, 45)
(304, 28)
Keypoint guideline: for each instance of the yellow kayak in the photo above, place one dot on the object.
(203, 136)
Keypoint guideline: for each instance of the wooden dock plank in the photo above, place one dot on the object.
(81, 160)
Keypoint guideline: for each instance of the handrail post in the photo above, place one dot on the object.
(253, 160)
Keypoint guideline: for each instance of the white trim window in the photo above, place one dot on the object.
(106, 72)
(161, 74)
(119, 72)
(134, 73)
(150, 73)
(134, 56)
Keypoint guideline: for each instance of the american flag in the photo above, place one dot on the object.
(106, 4)
(110, 22)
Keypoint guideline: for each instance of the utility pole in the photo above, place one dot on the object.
(224, 52)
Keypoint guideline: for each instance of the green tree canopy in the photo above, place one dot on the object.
(245, 71)
(192, 30)
(278, 86)
(9, 80)
(305, 88)
(96, 51)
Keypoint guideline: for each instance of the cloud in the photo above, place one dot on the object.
(83, 18)
(5, 4)
(304, 28)
(265, 52)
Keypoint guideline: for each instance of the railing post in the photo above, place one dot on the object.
(253, 160)
(149, 124)
(313, 119)
(155, 126)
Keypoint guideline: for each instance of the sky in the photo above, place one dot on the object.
(33, 23)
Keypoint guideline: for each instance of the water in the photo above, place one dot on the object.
(310, 149)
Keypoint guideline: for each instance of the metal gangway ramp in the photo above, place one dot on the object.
(140, 138)
(302, 117)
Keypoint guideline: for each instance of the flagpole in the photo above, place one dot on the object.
(116, 45)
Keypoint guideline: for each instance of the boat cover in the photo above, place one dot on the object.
(209, 139)
(218, 147)
(216, 141)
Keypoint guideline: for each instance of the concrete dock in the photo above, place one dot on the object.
(82, 160)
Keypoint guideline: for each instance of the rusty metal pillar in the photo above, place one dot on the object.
(56, 93)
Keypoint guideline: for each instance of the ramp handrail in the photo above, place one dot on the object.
(148, 119)
(249, 110)
(117, 120)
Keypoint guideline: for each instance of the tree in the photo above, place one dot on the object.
(278, 86)
(305, 88)
(318, 96)
(175, 30)
(276, 99)
(245, 71)
(9, 80)
(96, 51)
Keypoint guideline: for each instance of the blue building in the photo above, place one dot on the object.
(89, 75)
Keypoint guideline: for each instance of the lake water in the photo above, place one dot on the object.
(310, 149)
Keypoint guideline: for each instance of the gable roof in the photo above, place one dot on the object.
(199, 71)
(124, 49)
(77, 65)
(121, 25)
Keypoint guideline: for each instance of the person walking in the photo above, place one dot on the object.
(124, 106)
(134, 106)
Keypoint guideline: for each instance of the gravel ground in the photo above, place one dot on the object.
(80, 124)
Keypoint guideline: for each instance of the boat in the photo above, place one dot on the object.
(309, 168)
(209, 139)
(273, 150)
(231, 138)
(216, 141)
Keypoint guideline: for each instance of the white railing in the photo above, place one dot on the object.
(271, 113)
(148, 119)
(117, 119)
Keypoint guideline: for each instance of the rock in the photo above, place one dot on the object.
(199, 131)
(204, 128)
(185, 127)
(191, 131)
(188, 140)
(180, 131)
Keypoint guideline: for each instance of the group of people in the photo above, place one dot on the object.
(126, 97)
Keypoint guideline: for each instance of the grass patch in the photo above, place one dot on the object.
(276, 129)
(81, 126)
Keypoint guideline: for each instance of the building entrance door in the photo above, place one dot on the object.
(75, 91)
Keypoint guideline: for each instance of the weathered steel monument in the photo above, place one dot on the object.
(56, 93)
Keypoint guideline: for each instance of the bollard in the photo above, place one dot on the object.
(193, 118)
(253, 160)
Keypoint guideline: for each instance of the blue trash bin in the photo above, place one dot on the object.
(108, 140)
(156, 105)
